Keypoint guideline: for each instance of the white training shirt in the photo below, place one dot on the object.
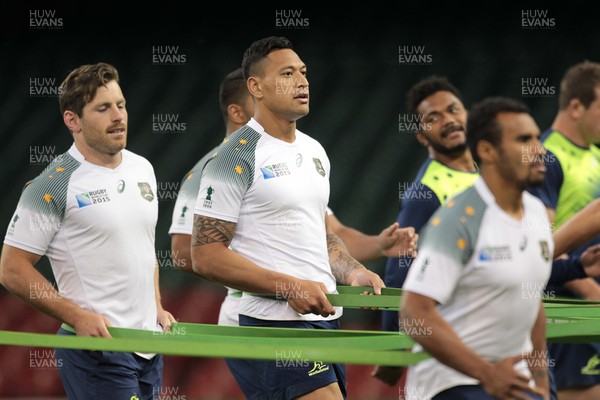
(96, 225)
(487, 271)
(277, 194)
(182, 223)
(230, 308)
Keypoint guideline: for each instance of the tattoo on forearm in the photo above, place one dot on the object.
(340, 259)
(210, 230)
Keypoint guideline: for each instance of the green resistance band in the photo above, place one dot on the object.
(563, 311)
(278, 337)
(338, 346)
(390, 298)
(574, 332)
(577, 324)
(182, 342)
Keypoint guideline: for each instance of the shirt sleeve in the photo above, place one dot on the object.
(38, 217)
(225, 180)
(417, 207)
(182, 220)
(441, 261)
(548, 192)
(564, 270)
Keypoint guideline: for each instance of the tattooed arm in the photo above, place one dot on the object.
(211, 230)
(346, 269)
(390, 242)
(212, 259)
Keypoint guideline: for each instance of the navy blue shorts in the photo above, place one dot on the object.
(552, 382)
(292, 375)
(248, 380)
(576, 365)
(470, 392)
(390, 321)
(100, 375)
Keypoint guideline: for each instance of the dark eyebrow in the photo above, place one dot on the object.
(107, 103)
(432, 112)
(435, 112)
(303, 66)
(527, 135)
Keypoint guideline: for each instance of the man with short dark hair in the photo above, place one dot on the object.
(237, 107)
(475, 288)
(260, 227)
(448, 170)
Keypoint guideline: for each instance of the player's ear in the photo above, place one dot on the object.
(422, 139)
(236, 114)
(575, 109)
(255, 87)
(72, 121)
(486, 151)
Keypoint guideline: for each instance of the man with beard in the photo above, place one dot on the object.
(93, 213)
(448, 170)
(420, 201)
(475, 289)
